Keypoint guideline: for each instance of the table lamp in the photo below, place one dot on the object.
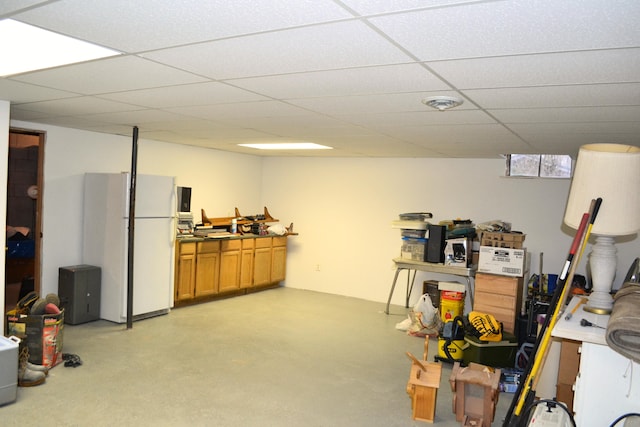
(611, 172)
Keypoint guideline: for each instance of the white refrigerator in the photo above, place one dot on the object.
(105, 242)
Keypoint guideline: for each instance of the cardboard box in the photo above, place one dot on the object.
(502, 240)
(502, 261)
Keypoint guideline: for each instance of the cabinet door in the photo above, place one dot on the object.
(229, 266)
(279, 259)
(207, 268)
(186, 271)
(246, 263)
(185, 277)
(262, 262)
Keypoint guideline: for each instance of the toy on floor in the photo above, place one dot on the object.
(422, 387)
(475, 394)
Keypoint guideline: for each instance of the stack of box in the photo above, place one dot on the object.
(502, 267)
(413, 228)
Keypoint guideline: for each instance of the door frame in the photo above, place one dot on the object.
(37, 233)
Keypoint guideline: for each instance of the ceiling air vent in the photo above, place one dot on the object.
(442, 103)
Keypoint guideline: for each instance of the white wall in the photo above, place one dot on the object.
(343, 210)
(220, 182)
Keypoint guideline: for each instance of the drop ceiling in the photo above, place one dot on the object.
(544, 76)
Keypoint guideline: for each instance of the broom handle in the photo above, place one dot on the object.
(525, 387)
(593, 212)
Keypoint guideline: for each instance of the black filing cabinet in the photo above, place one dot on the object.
(79, 292)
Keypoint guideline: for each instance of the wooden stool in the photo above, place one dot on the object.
(422, 387)
(475, 395)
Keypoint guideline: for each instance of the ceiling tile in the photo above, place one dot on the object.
(18, 92)
(16, 5)
(134, 118)
(514, 27)
(141, 25)
(240, 110)
(608, 66)
(372, 7)
(354, 81)
(535, 76)
(568, 114)
(109, 75)
(185, 95)
(557, 96)
(77, 106)
(368, 104)
(325, 47)
(381, 121)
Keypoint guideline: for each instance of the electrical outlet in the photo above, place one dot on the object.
(317, 267)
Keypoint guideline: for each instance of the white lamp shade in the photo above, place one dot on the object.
(611, 172)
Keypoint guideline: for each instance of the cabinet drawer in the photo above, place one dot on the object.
(248, 243)
(280, 241)
(209, 246)
(263, 242)
(187, 248)
(495, 300)
(502, 285)
(231, 245)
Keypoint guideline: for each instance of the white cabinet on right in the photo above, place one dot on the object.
(608, 384)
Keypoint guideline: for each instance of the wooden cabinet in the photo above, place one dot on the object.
(230, 265)
(185, 271)
(246, 263)
(278, 259)
(207, 268)
(500, 296)
(262, 262)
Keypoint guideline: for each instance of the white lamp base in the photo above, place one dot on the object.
(603, 263)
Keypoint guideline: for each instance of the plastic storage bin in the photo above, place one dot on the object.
(501, 354)
(8, 369)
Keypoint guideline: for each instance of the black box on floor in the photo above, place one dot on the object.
(79, 292)
(431, 287)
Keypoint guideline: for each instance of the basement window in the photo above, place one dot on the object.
(538, 165)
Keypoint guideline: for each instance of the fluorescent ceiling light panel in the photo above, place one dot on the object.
(28, 48)
(288, 146)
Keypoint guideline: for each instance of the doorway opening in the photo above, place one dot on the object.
(24, 213)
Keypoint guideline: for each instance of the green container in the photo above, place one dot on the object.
(501, 354)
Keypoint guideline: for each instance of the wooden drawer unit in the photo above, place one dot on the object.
(279, 241)
(231, 245)
(263, 242)
(500, 296)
